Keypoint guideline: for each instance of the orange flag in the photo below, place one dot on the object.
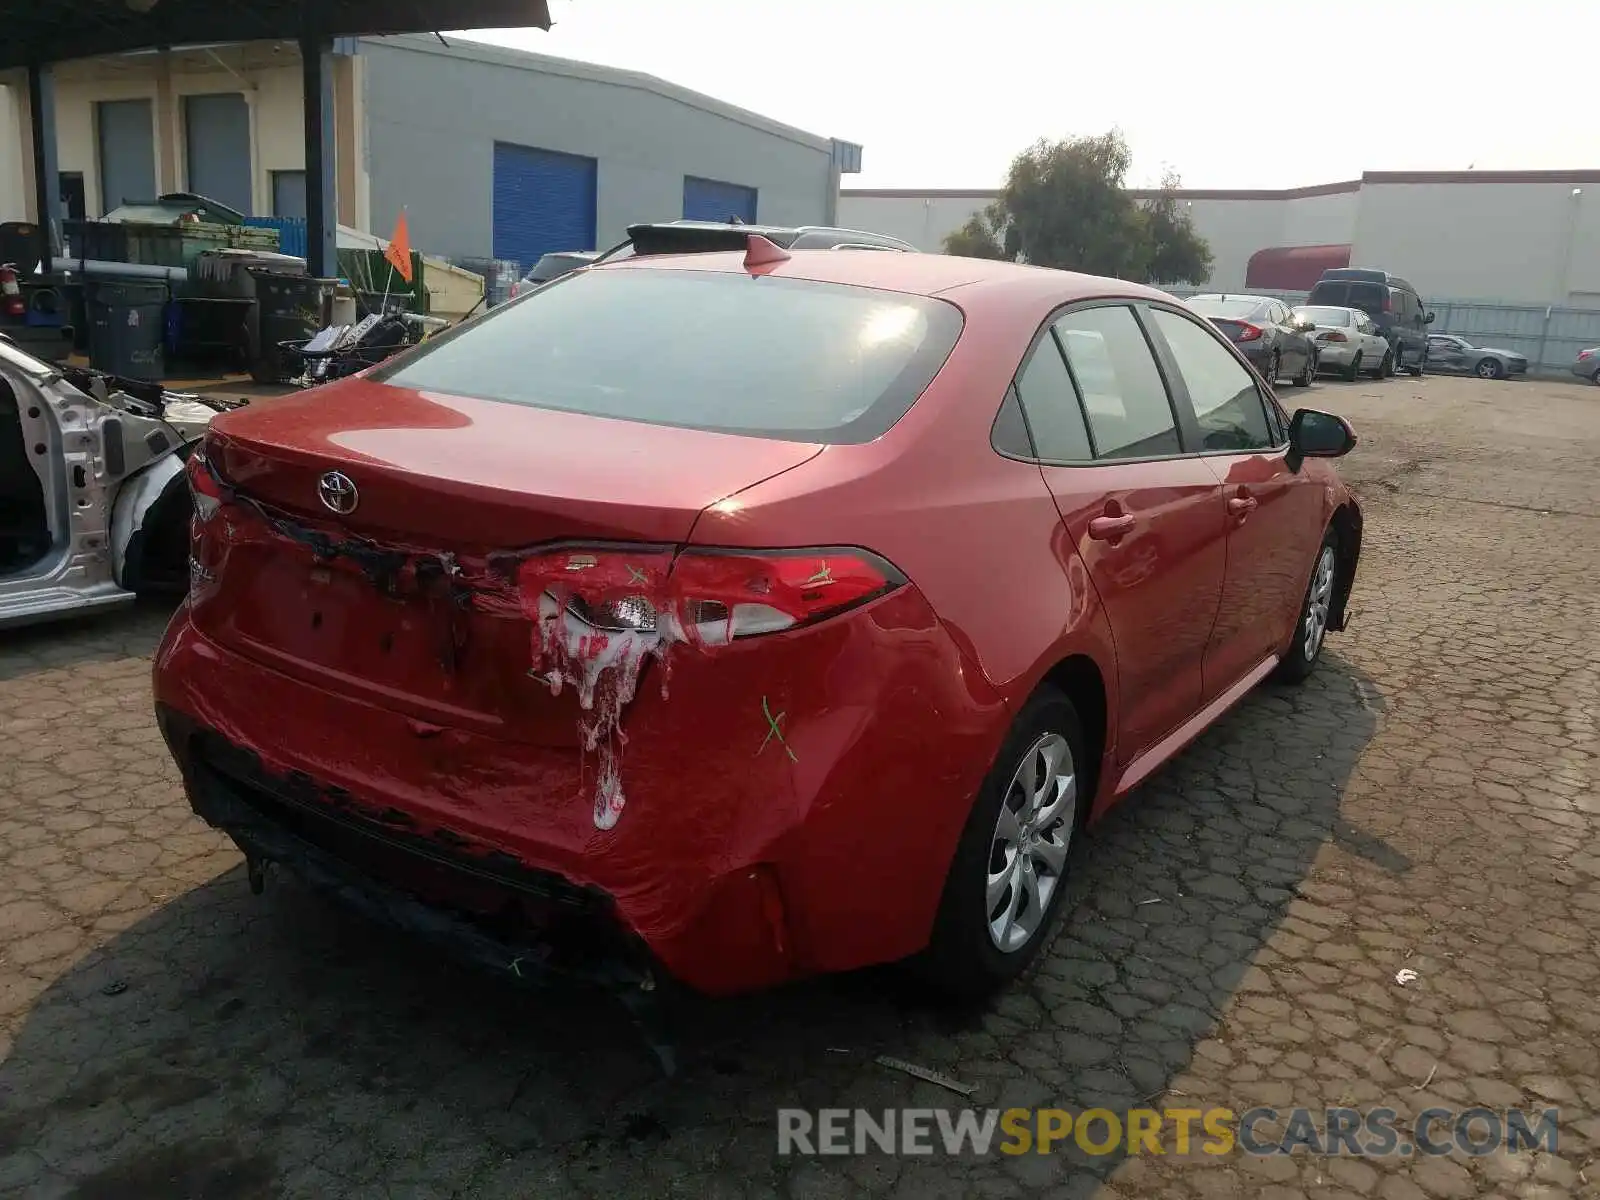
(399, 251)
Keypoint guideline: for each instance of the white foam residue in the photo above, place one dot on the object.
(603, 665)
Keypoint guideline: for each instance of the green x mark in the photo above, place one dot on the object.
(774, 730)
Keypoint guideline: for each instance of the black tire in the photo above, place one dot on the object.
(1307, 372)
(1595, 378)
(1489, 368)
(1353, 371)
(962, 960)
(1385, 366)
(1296, 665)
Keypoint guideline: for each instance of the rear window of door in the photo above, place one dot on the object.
(1227, 403)
(1055, 418)
(725, 352)
(1124, 398)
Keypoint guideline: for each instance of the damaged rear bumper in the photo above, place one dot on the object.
(531, 925)
(768, 780)
(480, 905)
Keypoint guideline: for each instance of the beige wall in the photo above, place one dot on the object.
(1532, 243)
(1235, 229)
(1320, 220)
(1522, 241)
(923, 219)
(267, 74)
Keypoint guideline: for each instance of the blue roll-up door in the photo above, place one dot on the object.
(543, 202)
(217, 138)
(709, 200)
(127, 152)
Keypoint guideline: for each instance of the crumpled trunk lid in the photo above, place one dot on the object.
(408, 597)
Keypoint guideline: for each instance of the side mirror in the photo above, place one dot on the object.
(1314, 434)
(1428, 320)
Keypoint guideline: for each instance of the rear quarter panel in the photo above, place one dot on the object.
(977, 533)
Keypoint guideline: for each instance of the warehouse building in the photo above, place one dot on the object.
(491, 152)
(1520, 237)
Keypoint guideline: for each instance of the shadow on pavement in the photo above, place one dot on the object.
(229, 1046)
(72, 642)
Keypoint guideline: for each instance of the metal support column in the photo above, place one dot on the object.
(322, 203)
(46, 175)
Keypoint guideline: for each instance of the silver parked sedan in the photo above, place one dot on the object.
(1587, 365)
(1456, 355)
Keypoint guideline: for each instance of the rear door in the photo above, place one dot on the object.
(1295, 347)
(1146, 517)
(1272, 510)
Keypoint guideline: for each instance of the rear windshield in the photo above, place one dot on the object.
(731, 353)
(1227, 310)
(1325, 316)
(1368, 297)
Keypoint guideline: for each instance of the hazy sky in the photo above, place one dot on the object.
(1241, 95)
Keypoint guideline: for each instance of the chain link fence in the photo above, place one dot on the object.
(1550, 337)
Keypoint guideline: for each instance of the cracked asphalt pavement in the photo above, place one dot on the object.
(1428, 802)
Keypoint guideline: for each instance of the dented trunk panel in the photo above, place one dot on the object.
(448, 473)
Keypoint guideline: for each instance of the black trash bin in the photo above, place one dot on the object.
(127, 327)
(289, 308)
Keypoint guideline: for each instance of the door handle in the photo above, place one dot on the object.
(1110, 529)
(1241, 506)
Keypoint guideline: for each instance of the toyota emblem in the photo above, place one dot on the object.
(338, 492)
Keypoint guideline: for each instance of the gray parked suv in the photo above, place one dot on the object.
(1393, 305)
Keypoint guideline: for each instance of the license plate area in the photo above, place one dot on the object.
(439, 661)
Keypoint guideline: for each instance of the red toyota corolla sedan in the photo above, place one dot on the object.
(744, 616)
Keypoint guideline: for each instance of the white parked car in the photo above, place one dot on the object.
(1347, 341)
(94, 503)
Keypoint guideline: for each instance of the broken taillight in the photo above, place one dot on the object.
(205, 490)
(706, 596)
(203, 486)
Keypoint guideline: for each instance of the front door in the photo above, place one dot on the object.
(1272, 510)
(1147, 520)
(1446, 354)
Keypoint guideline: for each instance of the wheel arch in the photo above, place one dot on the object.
(1346, 523)
(1080, 679)
(150, 525)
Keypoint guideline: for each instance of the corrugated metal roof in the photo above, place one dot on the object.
(52, 30)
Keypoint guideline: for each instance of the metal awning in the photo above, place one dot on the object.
(1293, 268)
(48, 31)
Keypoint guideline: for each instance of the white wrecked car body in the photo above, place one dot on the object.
(94, 505)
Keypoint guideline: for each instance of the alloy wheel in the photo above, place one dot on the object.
(1028, 853)
(1317, 603)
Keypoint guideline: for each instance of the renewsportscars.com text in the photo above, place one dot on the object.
(1375, 1132)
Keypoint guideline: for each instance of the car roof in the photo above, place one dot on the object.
(912, 273)
(826, 236)
(1233, 296)
(753, 227)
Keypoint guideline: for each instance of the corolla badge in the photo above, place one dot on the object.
(338, 492)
